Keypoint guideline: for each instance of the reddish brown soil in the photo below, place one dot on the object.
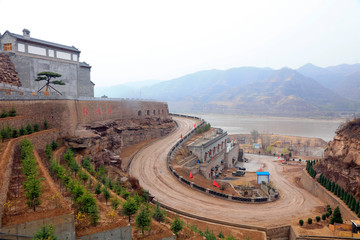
(52, 202)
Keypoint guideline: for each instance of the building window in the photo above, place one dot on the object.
(37, 50)
(63, 55)
(51, 53)
(7, 47)
(21, 47)
(75, 57)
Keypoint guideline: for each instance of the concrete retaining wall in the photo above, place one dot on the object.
(282, 232)
(123, 233)
(64, 227)
(319, 191)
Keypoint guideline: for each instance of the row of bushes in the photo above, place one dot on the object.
(32, 184)
(84, 201)
(11, 113)
(310, 169)
(204, 128)
(8, 132)
(347, 198)
(336, 218)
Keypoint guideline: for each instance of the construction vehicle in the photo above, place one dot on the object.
(276, 142)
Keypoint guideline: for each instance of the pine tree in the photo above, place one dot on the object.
(106, 194)
(357, 207)
(177, 225)
(159, 214)
(98, 189)
(336, 218)
(332, 188)
(130, 207)
(143, 219)
(353, 204)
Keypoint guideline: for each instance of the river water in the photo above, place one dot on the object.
(303, 127)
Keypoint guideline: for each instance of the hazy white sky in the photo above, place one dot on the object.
(138, 40)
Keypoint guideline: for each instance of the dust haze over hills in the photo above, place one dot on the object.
(305, 92)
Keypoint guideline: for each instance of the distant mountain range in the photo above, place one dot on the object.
(307, 91)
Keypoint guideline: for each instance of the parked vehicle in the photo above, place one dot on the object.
(238, 173)
(241, 168)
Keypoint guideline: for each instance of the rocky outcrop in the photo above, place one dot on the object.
(342, 158)
(8, 74)
(104, 141)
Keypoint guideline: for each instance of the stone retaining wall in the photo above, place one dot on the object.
(65, 115)
(319, 191)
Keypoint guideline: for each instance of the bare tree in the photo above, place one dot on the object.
(254, 135)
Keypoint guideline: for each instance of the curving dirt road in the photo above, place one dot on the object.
(149, 166)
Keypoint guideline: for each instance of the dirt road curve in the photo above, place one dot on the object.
(150, 167)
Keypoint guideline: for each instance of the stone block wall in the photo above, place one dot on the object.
(65, 115)
(319, 191)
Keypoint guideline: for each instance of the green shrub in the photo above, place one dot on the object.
(12, 112)
(46, 125)
(54, 145)
(4, 114)
(106, 194)
(143, 219)
(323, 217)
(115, 203)
(129, 207)
(221, 235)
(46, 232)
(6, 132)
(327, 214)
(177, 225)
(301, 222)
(159, 214)
(318, 218)
(29, 128)
(36, 127)
(48, 151)
(309, 220)
(23, 131)
(15, 133)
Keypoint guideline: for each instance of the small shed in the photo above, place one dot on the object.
(262, 177)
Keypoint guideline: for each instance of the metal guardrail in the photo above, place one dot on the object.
(193, 185)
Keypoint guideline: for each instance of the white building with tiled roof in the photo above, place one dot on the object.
(31, 56)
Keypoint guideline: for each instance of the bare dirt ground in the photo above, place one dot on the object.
(129, 151)
(52, 202)
(150, 167)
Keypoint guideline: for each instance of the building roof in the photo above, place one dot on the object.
(34, 40)
(356, 222)
(262, 174)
